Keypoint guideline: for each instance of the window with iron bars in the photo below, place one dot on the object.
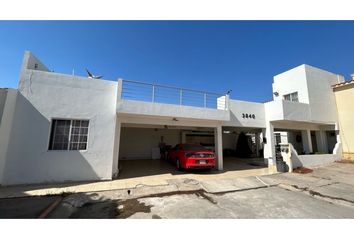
(292, 97)
(69, 134)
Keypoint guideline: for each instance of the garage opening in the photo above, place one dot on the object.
(144, 148)
(243, 148)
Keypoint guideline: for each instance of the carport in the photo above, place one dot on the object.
(139, 152)
(148, 115)
(140, 140)
(242, 147)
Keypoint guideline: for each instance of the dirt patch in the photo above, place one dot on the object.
(302, 170)
(130, 207)
(125, 208)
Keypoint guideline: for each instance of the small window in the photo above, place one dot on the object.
(287, 97)
(69, 135)
(292, 97)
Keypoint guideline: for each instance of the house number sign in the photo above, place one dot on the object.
(248, 115)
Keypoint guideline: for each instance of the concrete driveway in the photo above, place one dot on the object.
(328, 192)
(325, 193)
(135, 173)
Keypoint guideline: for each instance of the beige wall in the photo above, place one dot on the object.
(345, 99)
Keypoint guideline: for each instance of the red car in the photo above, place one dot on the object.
(189, 156)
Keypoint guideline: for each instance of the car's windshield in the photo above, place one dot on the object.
(192, 147)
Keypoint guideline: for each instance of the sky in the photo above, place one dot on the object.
(215, 56)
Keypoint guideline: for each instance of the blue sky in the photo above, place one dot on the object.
(207, 55)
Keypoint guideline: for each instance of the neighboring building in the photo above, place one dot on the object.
(344, 93)
(58, 127)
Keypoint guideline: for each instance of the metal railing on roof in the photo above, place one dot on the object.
(140, 91)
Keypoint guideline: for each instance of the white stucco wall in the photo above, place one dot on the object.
(32, 62)
(293, 80)
(274, 110)
(321, 97)
(163, 120)
(287, 110)
(43, 96)
(296, 111)
(238, 108)
(170, 110)
(8, 109)
(316, 98)
(3, 94)
(311, 161)
(293, 140)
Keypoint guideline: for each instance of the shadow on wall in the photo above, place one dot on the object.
(28, 159)
(234, 119)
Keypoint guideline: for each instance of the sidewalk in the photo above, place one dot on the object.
(154, 180)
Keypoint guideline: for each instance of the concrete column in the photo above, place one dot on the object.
(258, 143)
(115, 170)
(218, 147)
(269, 147)
(306, 141)
(263, 135)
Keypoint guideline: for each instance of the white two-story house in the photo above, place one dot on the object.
(57, 127)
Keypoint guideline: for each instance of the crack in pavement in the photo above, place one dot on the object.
(323, 178)
(239, 190)
(328, 184)
(313, 193)
(204, 196)
(201, 193)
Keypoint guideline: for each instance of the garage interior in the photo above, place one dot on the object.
(243, 147)
(139, 152)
